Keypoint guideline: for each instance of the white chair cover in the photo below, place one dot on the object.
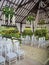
(27, 40)
(34, 41)
(42, 42)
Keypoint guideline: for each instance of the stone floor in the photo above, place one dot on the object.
(26, 62)
(33, 56)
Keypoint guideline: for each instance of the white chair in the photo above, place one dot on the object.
(4, 39)
(3, 42)
(42, 42)
(34, 41)
(9, 54)
(18, 50)
(27, 39)
(0, 37)
(22, 40)
(2, 59)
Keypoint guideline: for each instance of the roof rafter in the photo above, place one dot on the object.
(27, 2)
(28, 13)
(19, 5)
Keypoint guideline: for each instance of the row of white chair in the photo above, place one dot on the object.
(11, 50)
(34, 41)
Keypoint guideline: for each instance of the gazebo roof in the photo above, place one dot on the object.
(24, 7)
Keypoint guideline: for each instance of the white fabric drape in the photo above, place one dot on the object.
(4, 18)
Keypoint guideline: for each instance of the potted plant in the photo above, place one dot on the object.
(27, 32)
(8, 11)
(41, 32)
(30, 19)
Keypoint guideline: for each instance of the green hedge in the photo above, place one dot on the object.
(9, 32)
(42, 33)
(27, 31)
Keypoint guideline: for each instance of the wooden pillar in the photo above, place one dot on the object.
(9, 20)
(36, 20)
(31, 26)
(20, 28)
(37, 16)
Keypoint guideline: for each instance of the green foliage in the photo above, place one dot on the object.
(11, 12)
(42, 21)
(30, 18)
(27, 31)
(40, 32)
(47, 37)
(7, 11)
(10, 32)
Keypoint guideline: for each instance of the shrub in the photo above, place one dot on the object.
(40, 32)
(47, 37)
(27, 31)
(41, 22)
(10, 32)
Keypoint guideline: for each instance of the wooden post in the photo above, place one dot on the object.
(9, 20)
(20, 28)
(36, 20)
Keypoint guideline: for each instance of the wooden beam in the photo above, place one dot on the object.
(27, 2)
(25, 8)
(19, 15)
(19, 5)
(20, 22)
(0, 19)
(20, 28)
(2, 3)
(1, 7)
(29, 11)
(11, 2)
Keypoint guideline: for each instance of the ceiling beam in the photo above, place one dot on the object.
(25, 8)
(19, 15)
(11, 2)
(29, 12)
(19, 5)
(20, 22)
(1, 7)
(27, 2)
(2, 3)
